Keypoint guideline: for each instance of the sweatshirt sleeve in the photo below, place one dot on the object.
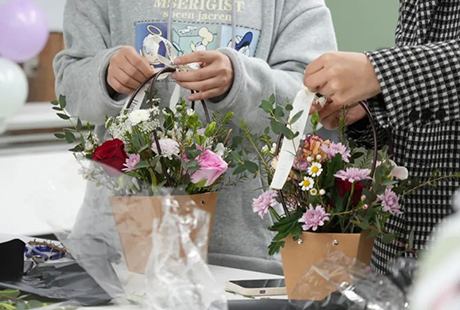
(303, 33)
(420, 84)
(81, 68)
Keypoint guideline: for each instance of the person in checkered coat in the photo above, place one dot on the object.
(414, 91)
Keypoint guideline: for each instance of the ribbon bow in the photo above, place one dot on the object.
(151, 51)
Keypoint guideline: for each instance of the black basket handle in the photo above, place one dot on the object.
(153, 80)
(365, 106)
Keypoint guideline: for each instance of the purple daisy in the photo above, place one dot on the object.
(390, 202)
(353, 175)
(337, 148)
(314, 217)
(262, 204)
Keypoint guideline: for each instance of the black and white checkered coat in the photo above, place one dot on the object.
(420, 104)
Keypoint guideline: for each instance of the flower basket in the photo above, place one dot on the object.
(312, 248)
(152, 148)
(134, 217)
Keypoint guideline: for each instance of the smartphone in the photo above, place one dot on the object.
(268, 287)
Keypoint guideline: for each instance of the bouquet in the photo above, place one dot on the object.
(152, 148)
(331, 187)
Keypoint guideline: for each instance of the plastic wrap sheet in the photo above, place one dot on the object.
(354, 286)
(144, 250)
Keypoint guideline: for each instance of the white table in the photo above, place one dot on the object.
(221, 274)
(39, 191)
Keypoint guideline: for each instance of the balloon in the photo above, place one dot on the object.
(13, 88)
(23, 30)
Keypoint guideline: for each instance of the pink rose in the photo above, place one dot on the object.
(212, 167)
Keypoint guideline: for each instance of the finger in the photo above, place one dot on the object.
(195, 75)
(212, 93)
(118, 86)
(355, 114)
(126, 79)
(332, 121)
(201, 57)
(316, 81)
(314, 67)
(326, 90)
(203, 85)
(330, 109)
(140, 64)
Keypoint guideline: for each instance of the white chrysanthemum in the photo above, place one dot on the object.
(313, 192)
(139, 116)
(220, 149)
(190, 112)
(315, 169)
(322, 192)
(154, 111)
(148, 127)
(169, 148)
(307, 183)
(309, 159)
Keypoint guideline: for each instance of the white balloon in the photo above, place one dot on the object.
(14, 88)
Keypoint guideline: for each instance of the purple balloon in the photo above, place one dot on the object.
(23, 30)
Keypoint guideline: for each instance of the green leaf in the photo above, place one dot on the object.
(272, 99)
(277, 127)
(79, 125)
(32, 304)
(296, 117)
(288, 134)
(210, 129)
(251, 166)
(289, 107)
(388, 238)
(333, 168)
(63, 116)
(70, 137)
(77, 149)
(57, 109)
(240, 169)
(266, 106)
(411, 239)
(59, 135)
(62, 101)
(54, 102)
(279, 113)
(364, 224)
(200, 184)
(237, 140)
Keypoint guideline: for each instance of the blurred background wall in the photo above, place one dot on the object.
(363, 25)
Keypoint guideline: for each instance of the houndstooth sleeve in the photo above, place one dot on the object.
(361, 131)
(420, 84)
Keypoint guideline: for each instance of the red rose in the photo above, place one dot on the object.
(111, 153)
(345, 187)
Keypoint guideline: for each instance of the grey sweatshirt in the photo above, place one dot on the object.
(269, 42)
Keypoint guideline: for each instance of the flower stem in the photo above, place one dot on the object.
(274, 213)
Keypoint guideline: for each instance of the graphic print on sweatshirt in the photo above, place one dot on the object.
(200, 26)
(192, 37)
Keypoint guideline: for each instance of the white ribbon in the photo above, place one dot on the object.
(303, 102)
(154, 42)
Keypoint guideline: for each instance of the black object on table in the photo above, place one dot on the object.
(61, 282)
(11, 259)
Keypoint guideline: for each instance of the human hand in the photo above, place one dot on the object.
(354, 113)
(214, 79)
(127, 70)
(345, 78)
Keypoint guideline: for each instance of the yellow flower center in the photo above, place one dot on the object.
(306, 183)
(314, 169)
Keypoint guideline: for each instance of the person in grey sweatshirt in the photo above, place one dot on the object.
(249, 49)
